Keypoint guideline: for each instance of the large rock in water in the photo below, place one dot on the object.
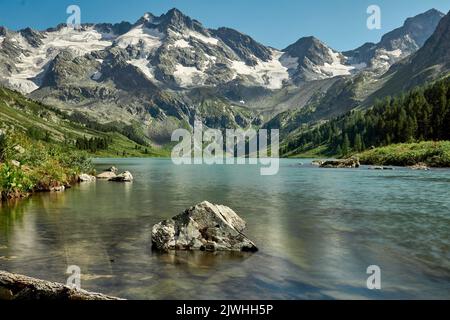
(106, 175)
(86, 178)
(205, 227)
(123, 177)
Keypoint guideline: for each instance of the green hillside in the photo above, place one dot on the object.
(51, 125)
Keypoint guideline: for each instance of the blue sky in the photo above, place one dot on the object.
(278, 23)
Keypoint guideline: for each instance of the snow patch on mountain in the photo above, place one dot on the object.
(203, 38)
(336, 68)
(151, 39)
(22, 85)
(181, 43)
(270, 74)
(383, 59)
(187, 76)
(34, 61)
(144, 66)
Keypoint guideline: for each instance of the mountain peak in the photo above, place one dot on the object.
(418, 28)
(175, 12)
(309, 47)
(176, 20)
(147, 17)
(175, 16)
(309, 40)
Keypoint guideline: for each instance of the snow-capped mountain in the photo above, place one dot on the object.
(310, 59)
(175, 51)
(165, 71)
(172, 50)
(397, 44)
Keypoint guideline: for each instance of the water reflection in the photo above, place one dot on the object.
(317, 231)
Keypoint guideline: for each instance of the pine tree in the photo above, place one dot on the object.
(345, 145)
(358, 145)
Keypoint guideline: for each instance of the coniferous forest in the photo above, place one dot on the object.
(422, 114)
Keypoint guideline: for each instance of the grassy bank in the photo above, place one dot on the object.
(433, 154)
(43, 148)
(28, 166)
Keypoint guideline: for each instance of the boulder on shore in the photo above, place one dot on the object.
(17, 287)
(123, 177)
(205, 227)
(57, 189)
(344, 163)
(420, 166)
(317, 162)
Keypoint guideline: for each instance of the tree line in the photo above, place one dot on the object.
(421, 114)
(93, 144)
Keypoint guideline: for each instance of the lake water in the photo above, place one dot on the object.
(318, 230)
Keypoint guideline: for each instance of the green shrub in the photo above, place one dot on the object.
(14, 181)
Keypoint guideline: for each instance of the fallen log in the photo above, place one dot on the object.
(18, 287)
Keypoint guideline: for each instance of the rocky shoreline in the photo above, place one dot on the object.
(354, 162)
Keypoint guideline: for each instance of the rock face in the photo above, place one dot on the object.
(205, 227)
(123, 177)
(17, 287)
(345, 163)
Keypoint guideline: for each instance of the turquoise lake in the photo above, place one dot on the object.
(318, 231)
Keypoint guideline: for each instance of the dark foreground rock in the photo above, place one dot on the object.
(344, 163)
(206, 227)
(17, 287)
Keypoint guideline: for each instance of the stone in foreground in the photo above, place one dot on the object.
(205, 227)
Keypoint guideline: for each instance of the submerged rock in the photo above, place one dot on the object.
(206, 227)
(123, 177)
(380, 168)
(344, 163)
